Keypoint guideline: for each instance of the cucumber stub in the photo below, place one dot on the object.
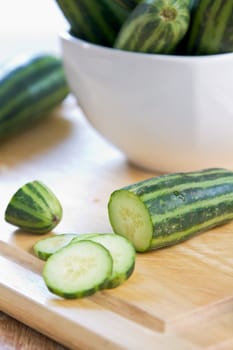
(78, 270)
(169, 209)
(34, 208)
(50, 245)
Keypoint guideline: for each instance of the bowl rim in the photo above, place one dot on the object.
(66, 36)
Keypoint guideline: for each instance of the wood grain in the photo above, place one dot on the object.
(14, 334)
(178, 298)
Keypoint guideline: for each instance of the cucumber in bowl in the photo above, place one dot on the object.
(96, 21)
(211, 29)
(154, 26)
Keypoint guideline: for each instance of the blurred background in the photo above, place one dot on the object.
(29, 25)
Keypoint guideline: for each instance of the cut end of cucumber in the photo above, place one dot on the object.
(130, 218)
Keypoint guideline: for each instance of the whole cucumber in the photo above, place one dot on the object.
(154, 26)
(30, 87)
(128, 4)
(211, 29)
(96, 21)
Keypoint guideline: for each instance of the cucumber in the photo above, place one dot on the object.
(34, 208)
(154, 26)
(120, 248)
(128, 4)
(123, 255)
(168, 209)
(45, 247)
(83, 236)
(96, 21)
(30, 87)
(211, 29)
(78, 270)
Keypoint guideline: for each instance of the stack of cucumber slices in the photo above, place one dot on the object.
(80, 265)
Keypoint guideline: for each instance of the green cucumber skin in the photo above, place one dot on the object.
(34, 208)
(182, 205)
(145, 30)
(211, 29)
(30, 87)
(96, 21)
(128, 4)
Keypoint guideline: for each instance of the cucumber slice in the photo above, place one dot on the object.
(80, 237)
(78, 270)
(123, 255)
(50, 245)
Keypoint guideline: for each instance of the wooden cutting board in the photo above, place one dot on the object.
(177, 298)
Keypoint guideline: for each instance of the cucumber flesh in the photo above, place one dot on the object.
(123, 255)
(45, 247)
(130, 218)
(81, 237)
(78, 270)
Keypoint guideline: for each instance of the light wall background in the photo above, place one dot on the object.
(29, 25)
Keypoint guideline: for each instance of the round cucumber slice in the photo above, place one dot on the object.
(78, 270)
(50, 245)
(123, 255)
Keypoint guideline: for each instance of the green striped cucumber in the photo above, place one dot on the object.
(131, 4)
(30, 87)
(34, 208)
(154, 26)
(96, 21)
(168, 209)
(128, 4)
(211, 29)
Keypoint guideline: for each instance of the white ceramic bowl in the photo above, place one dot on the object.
(166, 113)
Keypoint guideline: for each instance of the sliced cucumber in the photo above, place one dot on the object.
(78, 270)
(123, 255)
(165, 210)
(81, 237)
(50, 245)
